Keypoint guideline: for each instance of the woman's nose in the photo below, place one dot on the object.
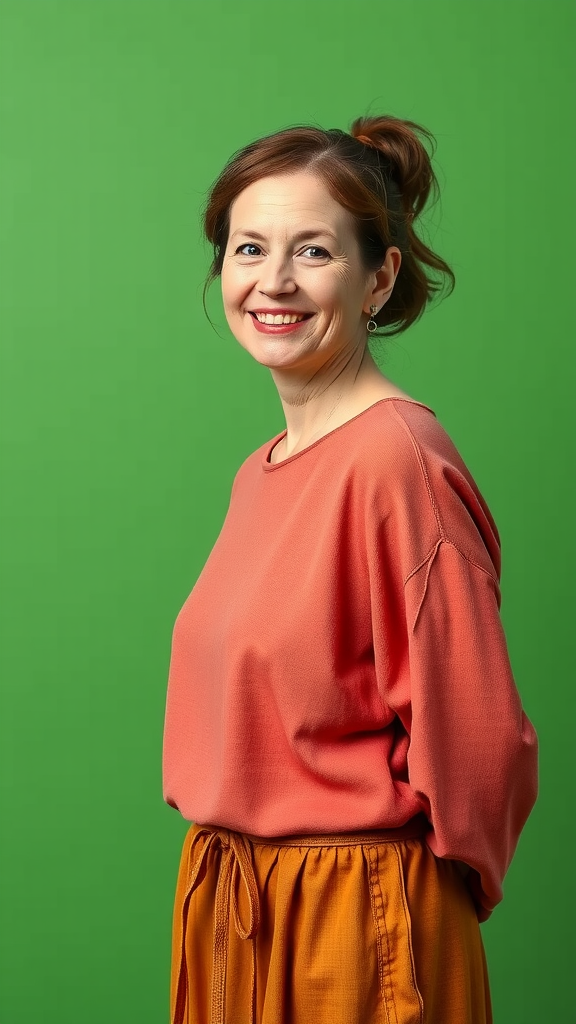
(277, 277)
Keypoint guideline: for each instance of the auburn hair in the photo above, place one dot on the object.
(380, 172)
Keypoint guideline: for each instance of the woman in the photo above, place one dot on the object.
(342, 723)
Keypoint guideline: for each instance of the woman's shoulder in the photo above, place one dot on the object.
(409, 433)
(411, 464)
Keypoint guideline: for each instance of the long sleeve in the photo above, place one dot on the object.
(472, 758)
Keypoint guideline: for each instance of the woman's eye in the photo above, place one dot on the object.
(241, 250)
(316, 251)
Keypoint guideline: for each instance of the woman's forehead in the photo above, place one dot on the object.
(289, 199)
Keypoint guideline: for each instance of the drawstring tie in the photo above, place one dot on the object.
(236, 861)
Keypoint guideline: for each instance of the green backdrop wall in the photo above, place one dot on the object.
(125, 417)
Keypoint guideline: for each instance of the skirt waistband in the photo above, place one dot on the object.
(413, 829)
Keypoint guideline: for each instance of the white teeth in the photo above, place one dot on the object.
(270, 318)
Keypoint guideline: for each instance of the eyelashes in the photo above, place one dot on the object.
(321, 252)
(247, 245)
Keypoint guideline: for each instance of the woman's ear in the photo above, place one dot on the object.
(382, 280)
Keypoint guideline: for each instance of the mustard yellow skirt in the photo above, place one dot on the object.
(357, 928)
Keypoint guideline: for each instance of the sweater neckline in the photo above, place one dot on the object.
(268, 466)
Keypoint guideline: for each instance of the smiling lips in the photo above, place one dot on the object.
(280, 321)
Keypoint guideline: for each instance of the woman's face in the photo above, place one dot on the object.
(292, 252)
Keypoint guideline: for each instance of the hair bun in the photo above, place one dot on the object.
(410, 163)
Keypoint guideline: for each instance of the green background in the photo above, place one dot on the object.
(125, 418)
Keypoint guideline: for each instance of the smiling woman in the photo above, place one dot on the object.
(320, 225)
(302, 259)
(342, 724)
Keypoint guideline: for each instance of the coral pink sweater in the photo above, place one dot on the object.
(341, 664)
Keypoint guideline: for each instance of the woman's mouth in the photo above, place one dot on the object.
(277, 323)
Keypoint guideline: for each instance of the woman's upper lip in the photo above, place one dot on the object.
(284, 312)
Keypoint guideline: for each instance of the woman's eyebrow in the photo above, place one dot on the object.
(300, 236)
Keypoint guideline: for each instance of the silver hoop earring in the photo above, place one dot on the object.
(371, 326)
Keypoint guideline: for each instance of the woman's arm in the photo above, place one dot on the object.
(473, 753)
